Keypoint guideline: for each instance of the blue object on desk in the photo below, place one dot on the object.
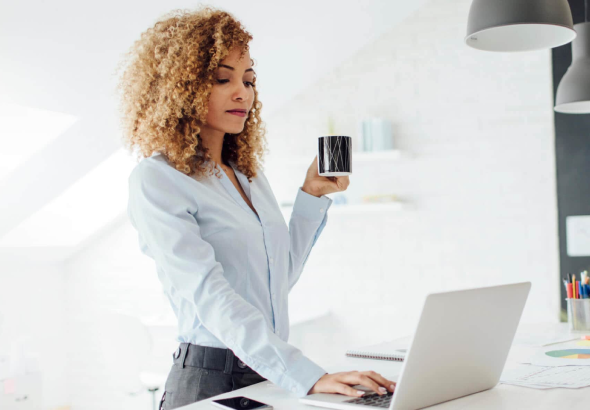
(340, 199)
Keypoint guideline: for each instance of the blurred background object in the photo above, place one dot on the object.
(375, 135)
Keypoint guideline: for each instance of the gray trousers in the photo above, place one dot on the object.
(200, 372)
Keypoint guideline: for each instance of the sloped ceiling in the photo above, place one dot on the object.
(63, 176)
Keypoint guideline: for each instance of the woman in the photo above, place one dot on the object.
(205, 213)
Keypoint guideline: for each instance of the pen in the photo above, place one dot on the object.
(574, 285)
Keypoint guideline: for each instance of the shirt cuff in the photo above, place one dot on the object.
(307, 373)
(310, 206)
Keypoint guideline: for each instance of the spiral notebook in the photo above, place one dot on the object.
(381, 351)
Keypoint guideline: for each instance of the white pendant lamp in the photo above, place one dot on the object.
(519, 25)
(573, 92)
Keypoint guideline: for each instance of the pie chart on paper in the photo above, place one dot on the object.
(570, 353)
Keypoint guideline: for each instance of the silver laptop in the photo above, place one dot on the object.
(459, 348)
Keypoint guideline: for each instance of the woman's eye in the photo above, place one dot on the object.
(250, 84)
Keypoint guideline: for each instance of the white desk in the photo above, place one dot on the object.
(502, 396)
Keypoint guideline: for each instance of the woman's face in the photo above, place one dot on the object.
(232, 90)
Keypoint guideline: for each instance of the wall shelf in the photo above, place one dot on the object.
(389, 155)
(358, 157)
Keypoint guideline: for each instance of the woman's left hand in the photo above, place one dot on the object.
(317, 185)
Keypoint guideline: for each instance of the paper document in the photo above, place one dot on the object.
(541, 377)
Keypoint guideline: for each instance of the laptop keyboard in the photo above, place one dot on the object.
(373, 399)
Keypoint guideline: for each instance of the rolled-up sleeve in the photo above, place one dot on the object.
(308, 219)
(164, 216)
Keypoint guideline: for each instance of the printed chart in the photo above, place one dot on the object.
(570, 353)
(560, 357)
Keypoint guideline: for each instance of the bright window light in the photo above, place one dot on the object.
(83, 209)
(25, 130)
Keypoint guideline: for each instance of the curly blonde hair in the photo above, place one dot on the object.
(165, 89)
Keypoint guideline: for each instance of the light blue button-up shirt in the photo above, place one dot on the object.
(226, 271)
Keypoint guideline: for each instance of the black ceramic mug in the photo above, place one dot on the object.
(334, 156)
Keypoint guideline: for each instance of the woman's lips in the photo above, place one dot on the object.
(238, 113)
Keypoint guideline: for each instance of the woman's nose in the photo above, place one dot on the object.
(241, 93)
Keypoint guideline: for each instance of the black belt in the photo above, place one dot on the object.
(212, 358)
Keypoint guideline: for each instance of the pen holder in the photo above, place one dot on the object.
(578, 314)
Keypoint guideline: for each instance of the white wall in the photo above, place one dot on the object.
(480, 185)
(33, 311)
(113, 276)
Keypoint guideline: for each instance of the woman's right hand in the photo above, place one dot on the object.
(342, 382)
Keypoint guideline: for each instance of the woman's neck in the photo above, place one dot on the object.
(214, 144)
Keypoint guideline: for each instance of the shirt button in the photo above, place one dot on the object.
(271, 260)
(321, 210)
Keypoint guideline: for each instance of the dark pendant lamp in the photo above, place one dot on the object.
(573, 92)
(519, 25)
